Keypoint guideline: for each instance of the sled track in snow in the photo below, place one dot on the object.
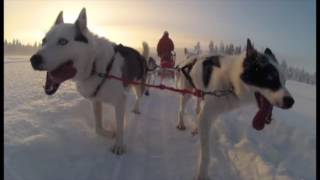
(53, 138)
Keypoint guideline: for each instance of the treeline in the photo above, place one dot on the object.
(298, 74)
(229, 49)
(15, 47)
(291, 73)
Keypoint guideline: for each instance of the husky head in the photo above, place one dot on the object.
(190, 54)
(66, 51)
(262, 73)
(152, 65)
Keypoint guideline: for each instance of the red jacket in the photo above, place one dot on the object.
(164, 47)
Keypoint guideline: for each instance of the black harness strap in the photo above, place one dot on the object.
(218, 93)
(104, 75)
(186, 69)
(186, 72)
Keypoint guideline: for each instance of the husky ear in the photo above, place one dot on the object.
(81, 22)
(250, 49)
(81, 26)
(59, 19)
(269, 53)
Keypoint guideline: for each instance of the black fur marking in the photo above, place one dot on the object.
(207, 67)
(135, 66)
(79, 36)
(259, 72)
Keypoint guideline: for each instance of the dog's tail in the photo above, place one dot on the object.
(145, 50)
(145, 54)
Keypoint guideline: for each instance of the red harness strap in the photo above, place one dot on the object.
(197, 92)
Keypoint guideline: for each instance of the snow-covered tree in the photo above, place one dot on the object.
(215, 49)
(211, 47)
(231, 49)
(16, 47)
(237, 50)
(197, 48)
(221, 49)
(284, 68)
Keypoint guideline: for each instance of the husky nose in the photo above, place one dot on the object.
(36, 61)
(288, 102)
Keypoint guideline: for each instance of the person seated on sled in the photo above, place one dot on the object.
(165, 49)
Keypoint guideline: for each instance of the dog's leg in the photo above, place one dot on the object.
(195, 130)
(204, 131)
(198, 105)
(138, 92)
(183, 100)
(118, 147)
(153, 77)
(148, 81)
(161, 75)
(177, 74)
(97, 109)
(198, 109)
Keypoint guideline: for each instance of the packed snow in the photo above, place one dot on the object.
(53, 137)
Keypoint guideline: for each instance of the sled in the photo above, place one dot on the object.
(167, 70)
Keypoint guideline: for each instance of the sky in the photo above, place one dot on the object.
(288, 27)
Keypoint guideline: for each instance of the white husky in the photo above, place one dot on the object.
(242, 78)
(71, 51)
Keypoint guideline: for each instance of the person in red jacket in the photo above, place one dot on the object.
(165, 49)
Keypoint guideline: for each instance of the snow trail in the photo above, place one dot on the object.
(53, 138)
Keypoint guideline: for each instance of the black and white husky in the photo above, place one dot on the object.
(71, 51)
(247, 76)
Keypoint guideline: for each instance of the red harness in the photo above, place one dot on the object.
(262, 117)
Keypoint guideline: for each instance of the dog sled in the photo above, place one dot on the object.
(167, 69)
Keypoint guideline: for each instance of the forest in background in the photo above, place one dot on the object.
(15, 47)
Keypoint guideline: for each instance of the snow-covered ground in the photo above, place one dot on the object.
(53, 138)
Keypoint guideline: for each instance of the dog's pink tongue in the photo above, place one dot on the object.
(263, 116)
(64, 72)
(55, 78)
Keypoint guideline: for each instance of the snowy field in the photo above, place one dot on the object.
(53, 138)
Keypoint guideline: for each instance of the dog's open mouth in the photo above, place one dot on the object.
(54, 78)
(264, 114)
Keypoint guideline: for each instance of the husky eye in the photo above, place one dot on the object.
(62, 41)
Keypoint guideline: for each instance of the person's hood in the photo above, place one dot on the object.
(166, 36)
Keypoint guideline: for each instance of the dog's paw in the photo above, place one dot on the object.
(136, 111)
(268, 120)
(118, 149)
(194, 132)
(147, 93)
(105, 133)
(181, 127)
